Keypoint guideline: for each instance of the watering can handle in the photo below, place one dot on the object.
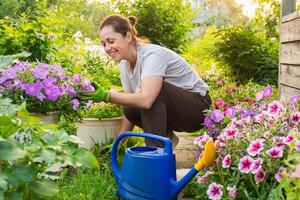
(115, 167)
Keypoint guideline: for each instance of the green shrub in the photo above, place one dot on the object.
(163, 22)
(249, 53)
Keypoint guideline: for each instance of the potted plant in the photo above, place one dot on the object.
(46, 89)
(99, 124)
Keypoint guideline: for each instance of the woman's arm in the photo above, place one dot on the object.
(150, 88)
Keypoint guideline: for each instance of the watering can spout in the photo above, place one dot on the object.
(207, 158)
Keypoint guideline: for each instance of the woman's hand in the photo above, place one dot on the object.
(97, 96)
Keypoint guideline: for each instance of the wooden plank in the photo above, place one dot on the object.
(290, 53)
(287, 92)
(290, 31)
(290, 17)
(287, 7)
(290, 75)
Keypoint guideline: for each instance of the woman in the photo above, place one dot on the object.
(162, 93)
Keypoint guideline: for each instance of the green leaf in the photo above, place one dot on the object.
(48, 155)
(74, 139)
(45, 188)
(7, 127)
(1, 194)
(86, 158)
(6, 60)
(14, 196)
(8, 151)
(24, 173)
(3, 184)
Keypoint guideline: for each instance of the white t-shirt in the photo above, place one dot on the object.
(153, 60)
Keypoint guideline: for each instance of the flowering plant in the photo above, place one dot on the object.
(44, 87)
(102, 111)
(250, 147)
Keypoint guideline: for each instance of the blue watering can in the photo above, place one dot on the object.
(149, 173)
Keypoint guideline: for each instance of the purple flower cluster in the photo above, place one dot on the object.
(45, 82)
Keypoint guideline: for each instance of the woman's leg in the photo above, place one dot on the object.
(174, 109)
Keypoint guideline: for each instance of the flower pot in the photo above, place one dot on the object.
(50, 118)
(92, 130)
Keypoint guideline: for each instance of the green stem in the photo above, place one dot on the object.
(253, 185)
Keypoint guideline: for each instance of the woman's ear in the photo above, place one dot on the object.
(129, 37)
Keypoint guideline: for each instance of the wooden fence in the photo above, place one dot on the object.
(289, 62)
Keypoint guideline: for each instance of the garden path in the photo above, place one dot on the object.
(185, 152)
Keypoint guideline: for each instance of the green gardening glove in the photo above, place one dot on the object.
(97, 96)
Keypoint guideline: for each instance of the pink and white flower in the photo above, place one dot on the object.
(275, 152)
(275, 108)
(278, 175)
(246, 164)
(204, 178)
(257, 165)
(232, 191)
(226, 161)
(295, 117)
(259, 118)
(297, 171)
(259, 176)
(297, 145)
(255, 147)
(214, 191)
(231, 132)
(259, 96)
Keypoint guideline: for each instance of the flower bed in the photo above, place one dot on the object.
(252, 140)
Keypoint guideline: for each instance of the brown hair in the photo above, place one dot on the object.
(123, 25)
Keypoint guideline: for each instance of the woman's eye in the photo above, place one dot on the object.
(111, 41)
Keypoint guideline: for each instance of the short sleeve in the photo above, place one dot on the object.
(125, 81)
(153, 64)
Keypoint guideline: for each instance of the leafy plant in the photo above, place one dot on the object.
(102, 111)
(249, 53)
(165, 23)
(32, 155)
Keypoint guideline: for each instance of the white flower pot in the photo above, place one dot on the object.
(92, 130)
(50, 118)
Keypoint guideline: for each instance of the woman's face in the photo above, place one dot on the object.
(115, 44)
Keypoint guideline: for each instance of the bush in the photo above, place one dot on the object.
(249, 53)
(163, 22)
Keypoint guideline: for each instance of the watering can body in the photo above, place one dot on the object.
(148, 173)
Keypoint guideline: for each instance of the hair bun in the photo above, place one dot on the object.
(132, 20)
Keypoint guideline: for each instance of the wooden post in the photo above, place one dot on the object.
(287, 7)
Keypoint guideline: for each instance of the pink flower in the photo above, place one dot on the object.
(297, 171)
(231, 132)
(289, 139)
(275, 152)
(259, 118)
(295, 117)
(214, 191)
(259, 176)
(101, 104)
(259, 96)
(255, 147)
(220, 102)
(246, 164)
(257, 165)
(204, 178)
(232, 191)
(274, 108)
(226, 161)
(297, 145)
(278, 175)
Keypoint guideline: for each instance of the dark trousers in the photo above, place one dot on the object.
(174, 109)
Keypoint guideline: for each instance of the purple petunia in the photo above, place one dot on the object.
(217, 116)
(294, 99)
(32, 89)
(267, 91)
(41, 71)
(52, 92)
(76, 78)
(75, 104)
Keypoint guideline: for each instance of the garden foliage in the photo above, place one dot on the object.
(166, 23)
(249, 53)
(32, 155)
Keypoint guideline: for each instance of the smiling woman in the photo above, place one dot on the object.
(162, 93)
